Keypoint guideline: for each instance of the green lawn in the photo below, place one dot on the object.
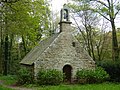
(9, 80)
(104, 86)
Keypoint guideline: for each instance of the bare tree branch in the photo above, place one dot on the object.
(100, 3)
(100, 14)
(116, 13)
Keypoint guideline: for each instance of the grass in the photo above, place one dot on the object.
(6, 80)
(10, 80)
(5, 88)
(103, 86)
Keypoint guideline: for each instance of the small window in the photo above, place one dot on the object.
(73, 44)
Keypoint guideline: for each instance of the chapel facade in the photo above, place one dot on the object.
(62, 52)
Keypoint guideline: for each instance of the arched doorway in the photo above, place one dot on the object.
(67, 70)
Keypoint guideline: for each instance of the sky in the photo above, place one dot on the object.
(56, 6)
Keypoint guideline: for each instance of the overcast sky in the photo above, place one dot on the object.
(58, 4)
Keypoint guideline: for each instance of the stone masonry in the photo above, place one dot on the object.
(64, 50)
(58, 51)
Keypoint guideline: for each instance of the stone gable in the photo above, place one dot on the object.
(64, 50)
(61, 51)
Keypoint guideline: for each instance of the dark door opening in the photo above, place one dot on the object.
(67, 71)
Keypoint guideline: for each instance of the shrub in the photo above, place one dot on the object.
(24, 76)
(49, 77)
(112, 68)
(96, 75)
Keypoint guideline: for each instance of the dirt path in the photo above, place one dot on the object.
(14, 87)
(20, 88)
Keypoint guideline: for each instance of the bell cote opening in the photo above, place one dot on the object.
(64, 13)
(65, 19)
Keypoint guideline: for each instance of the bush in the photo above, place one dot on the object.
(96, 75)
(24, 76)
(112, 68)
(49, 77)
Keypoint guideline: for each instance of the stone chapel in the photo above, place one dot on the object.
(61, 51)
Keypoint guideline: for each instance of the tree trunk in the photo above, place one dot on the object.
(91, 43)
(115, 50)
(1, 43)
(6, 56)
(10, 53)
(88, 40)
(1, 56)
(24, 45)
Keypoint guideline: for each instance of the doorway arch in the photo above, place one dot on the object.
(67, 70)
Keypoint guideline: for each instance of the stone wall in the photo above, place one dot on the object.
(64, 50)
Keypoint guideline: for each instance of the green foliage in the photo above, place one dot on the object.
(24, 76)
(49, 77)
(24, 22)
(108, 10)
(92, 37)
(102, 86)
(112, 68)
(96, 75)
(8, 80)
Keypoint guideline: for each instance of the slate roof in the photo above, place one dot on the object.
(31, 57)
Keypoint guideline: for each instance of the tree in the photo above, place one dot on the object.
(92, 36)
(23, 24)
(109, 9)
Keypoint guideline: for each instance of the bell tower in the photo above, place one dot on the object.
(64, 19)
(64, 13)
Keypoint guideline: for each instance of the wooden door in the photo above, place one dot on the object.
(67, 71)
